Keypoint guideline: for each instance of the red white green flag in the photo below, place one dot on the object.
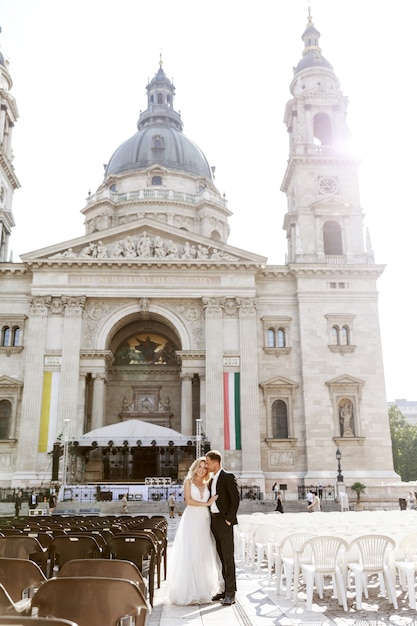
(231, 393)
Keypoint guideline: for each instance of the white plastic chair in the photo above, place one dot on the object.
(407, 567)
(373, 559)
(245, 542)
(326, 560)
(263, 538)
(285, 560)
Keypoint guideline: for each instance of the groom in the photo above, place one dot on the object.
(223, 518)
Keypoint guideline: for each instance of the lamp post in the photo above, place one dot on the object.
(198, 439)
(65, 458)
(339, 469)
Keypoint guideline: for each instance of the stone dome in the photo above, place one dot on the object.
(159, 145)
(159, 140)
(312, 56)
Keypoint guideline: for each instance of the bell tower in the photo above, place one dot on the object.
(324, 220)
(8, 180)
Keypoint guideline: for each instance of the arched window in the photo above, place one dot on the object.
(16, 336)
(344, 336)
(160, 99)
(281, 338)
(335, 335)
(322, 129)
(151, 99)
(332, 238)
(5, 336)
(271, 338)
(5, 416)
(279, 420)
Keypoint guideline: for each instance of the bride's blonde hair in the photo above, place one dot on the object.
(194, 467)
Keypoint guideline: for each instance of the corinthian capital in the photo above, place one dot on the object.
(246, 306)
(213, 306)
(74, 305)
(39, 305)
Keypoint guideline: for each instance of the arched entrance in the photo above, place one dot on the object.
(143, 382)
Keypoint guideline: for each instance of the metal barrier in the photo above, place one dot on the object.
(324, 492)
(250, 493)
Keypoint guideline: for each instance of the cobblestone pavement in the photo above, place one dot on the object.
(258, 604)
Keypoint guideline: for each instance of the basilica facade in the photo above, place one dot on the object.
(149, 338)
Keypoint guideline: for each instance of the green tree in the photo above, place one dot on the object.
(404, 444)
(358, 488)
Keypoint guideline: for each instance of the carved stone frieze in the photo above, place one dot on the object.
(95, 310)
(281, 459)
(145, 247)
(231, 308)
(56, 306)
(193, 313)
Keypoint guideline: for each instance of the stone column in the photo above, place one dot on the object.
(78, 429)
(203, 402)
(214, 370)
(187, 403)
(97, 410)
(35, 336)
(70, 368)
(2, 123)
(249, 391)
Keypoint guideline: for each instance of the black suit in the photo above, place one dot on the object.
(227, 503)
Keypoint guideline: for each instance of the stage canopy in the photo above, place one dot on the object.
(135, 433)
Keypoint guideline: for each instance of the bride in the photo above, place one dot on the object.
(195, 573)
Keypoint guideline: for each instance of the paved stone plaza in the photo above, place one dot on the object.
(257, 604)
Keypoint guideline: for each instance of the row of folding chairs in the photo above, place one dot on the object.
(144, 543)
(85, 592)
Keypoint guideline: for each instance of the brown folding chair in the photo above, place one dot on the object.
(159, 547)
(8, 607)
(103, 568)
(139, 550)
(43, 537)
(20, 577)
(22, 547)
(27, 620)
(91, 601)
(161, 535)
(67, 547)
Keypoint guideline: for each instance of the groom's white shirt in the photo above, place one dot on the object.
(214, 508)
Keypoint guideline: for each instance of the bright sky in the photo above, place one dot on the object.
(80, 68)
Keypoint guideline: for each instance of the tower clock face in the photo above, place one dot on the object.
(328, 186)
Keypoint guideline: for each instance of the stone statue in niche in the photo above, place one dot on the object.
(346, 417)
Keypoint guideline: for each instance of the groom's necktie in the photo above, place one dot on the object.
(213, 489)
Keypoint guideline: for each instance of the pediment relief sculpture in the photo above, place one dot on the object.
(145, 247)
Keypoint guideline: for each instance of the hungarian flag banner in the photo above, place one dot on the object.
(231, 393)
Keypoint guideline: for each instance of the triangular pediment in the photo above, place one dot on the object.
(9, 383)
(144, 241)
(331, 205)
(279, 381)
(346, 379)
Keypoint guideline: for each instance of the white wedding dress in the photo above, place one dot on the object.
(194, 568)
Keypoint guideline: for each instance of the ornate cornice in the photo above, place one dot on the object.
(8, 169)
